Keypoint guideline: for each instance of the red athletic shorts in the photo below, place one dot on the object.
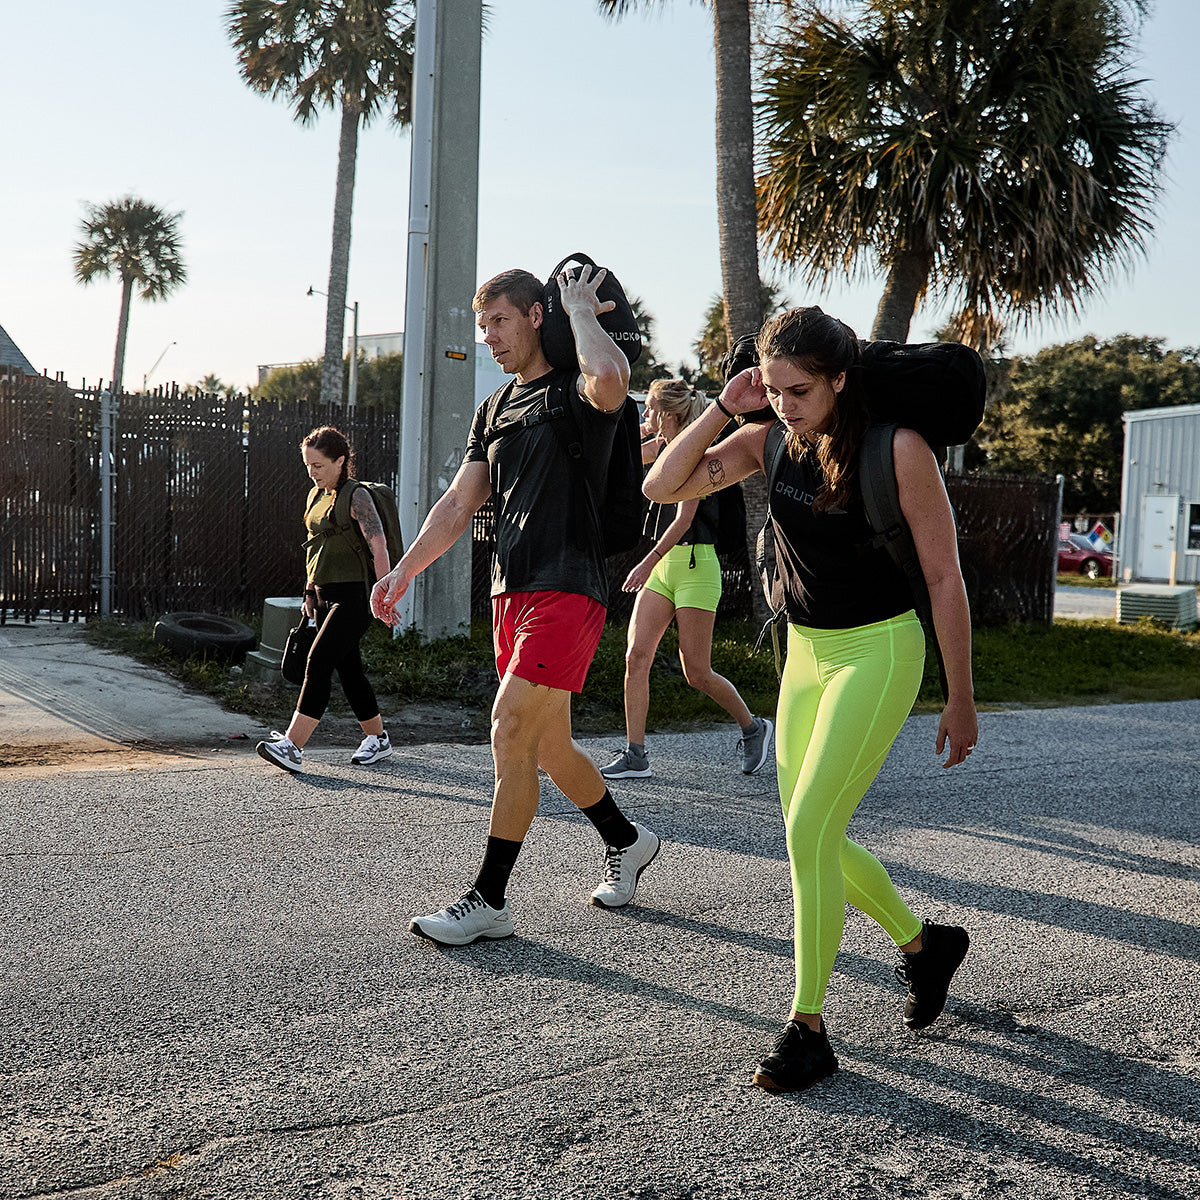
(547, 637)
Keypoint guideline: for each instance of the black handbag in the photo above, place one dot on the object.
(295, 651)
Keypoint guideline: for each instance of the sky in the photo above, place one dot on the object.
(594, 136)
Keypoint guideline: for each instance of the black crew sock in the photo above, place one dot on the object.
(610, 822)
(498, 861)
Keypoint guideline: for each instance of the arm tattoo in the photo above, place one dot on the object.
(362, 509)
(716, 473)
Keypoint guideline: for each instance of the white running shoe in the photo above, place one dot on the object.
(280, 751)
(373, 748)
(623, 867)
(465, 921)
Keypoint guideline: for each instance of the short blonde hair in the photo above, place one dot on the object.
(678, 398)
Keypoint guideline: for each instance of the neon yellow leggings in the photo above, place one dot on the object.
(845, 694)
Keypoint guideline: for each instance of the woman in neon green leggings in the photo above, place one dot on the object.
(855, 653)
(678, 580)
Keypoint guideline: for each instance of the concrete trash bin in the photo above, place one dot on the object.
(280, 615)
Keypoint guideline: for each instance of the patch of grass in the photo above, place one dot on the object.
(1071, 662)
(1105, 581)
(1081, 662)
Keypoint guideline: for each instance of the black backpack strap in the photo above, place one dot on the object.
(773, 452)
(881, 503)
(570, 438)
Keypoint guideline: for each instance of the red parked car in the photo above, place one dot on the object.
(1077, 556)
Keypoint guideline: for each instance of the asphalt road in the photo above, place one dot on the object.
(207, 989)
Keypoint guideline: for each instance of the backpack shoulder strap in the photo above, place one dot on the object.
(881, 502)
(773, 451)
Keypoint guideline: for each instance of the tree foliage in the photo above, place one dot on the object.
(140, 244)
(712, 342)
(349, 55)
(1060, 413)
(379, 382)
(647, 368)
(995, 154)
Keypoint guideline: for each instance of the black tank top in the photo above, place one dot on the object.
(831, 577)
(701, 532)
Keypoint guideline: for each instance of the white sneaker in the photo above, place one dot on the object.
(280, 751)
(464, 921)
(623, 867)
(373, 748)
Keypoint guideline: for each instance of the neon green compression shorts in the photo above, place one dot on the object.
(845, 694)
(688, 586)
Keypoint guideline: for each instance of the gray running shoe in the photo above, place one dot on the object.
(629, 764)
(373, 748)
(623, 867)
(464, 921)
(282, 753)
(756, 747)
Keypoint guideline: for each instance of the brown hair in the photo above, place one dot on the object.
(678, 398)
(332, 443)
(520, 288)
(824, 346)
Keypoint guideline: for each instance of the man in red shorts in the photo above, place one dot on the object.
(549, 584)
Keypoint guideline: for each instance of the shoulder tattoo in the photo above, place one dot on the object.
(362, 509)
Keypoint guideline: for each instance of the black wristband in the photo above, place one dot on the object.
(731, 416)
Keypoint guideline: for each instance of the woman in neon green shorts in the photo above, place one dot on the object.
(678, 579)
(855, 653)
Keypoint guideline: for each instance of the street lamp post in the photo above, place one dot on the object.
(146, 377)
(353, 310)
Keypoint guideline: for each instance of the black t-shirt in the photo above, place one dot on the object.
(541, 542)
(831, 577)
(701, 532)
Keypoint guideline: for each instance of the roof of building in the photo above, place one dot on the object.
(1155, 414)
(11, 356)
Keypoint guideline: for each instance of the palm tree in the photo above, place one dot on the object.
(141, 244)
(997, 155)
(355, 55)
(712, 343)
(736, 205)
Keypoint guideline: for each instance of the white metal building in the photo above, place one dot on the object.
(1160, 495)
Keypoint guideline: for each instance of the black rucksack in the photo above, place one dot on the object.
(937, 388)
(346, 526)
(623, 506)
(558, 340)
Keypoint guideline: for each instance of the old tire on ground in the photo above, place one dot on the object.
(204, 634)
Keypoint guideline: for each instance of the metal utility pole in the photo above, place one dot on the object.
(439, 327)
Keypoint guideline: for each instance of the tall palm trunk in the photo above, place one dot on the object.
(905, 285)
(339, 259)
(736, 204)
(118, 374)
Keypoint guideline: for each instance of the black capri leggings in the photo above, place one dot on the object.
(342, 619)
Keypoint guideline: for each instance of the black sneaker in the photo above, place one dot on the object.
(928, 972)
(801, 1058)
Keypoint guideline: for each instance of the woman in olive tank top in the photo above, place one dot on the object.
(336, 597)
(855, 654)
